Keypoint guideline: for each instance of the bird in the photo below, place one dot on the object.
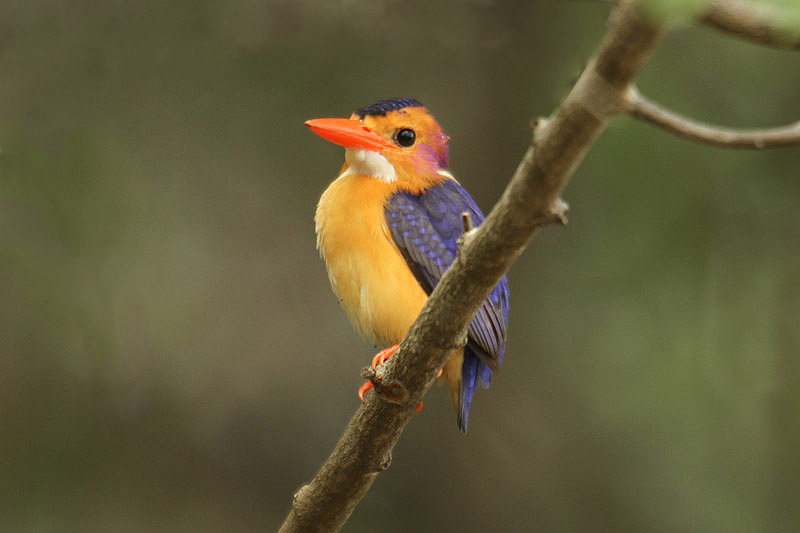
(388, 227)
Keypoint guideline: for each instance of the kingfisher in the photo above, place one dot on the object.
(388, 227)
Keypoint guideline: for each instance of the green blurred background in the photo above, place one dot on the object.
(172, 357)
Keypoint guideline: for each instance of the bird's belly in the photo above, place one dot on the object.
(377, 290)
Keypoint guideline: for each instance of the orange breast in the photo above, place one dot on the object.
(374, 285)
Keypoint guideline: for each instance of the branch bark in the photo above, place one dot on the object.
(642, 108)
(531, 200)
(756, 22)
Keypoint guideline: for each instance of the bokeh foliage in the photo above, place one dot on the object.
(172, 358)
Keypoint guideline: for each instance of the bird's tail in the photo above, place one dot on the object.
(474, 373)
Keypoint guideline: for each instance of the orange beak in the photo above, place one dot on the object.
(349, 133)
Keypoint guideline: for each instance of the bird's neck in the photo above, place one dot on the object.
(368, 163)
(410, 176)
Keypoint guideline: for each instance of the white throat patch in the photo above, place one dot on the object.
(369, 163)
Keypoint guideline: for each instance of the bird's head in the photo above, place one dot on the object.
(395, 141)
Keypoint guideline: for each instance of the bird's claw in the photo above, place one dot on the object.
(380, 359)
(363, 389)
(382, 356)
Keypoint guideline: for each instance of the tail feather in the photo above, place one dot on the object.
(464, 372)
(469, 375)
(474, 372)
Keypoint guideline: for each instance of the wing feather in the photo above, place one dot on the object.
(426, 228)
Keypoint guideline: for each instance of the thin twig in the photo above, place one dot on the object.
(755, 21)
(530, 200)
(466, 221)
(640, 107)
(468, 232)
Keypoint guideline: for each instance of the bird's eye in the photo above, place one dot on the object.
(405, 137)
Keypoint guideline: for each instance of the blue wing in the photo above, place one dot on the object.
(426, 228)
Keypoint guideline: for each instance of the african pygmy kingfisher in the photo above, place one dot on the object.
(387, 228)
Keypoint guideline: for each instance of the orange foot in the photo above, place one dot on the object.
(363, 389)
(380, 359)
(382, 356)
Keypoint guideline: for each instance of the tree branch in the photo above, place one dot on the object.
(642, 108)
(754, 21)
(531, 200)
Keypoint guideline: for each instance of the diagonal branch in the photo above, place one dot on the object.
(758, 22)
(640, 107)
(531, 200)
